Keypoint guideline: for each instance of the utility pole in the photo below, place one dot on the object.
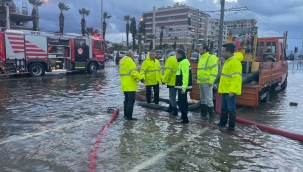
(221, 29)
(222, 23)
(101, 31)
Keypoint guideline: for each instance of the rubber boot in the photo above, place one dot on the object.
(175, 111)
(232, 121)
(129, 111)
(125, 106)
(169, 109)
(203, 110)
(223, 118)
(211, 112)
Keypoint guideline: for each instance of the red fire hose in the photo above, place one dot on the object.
(283, 163)
(93, 154)
(290, 135)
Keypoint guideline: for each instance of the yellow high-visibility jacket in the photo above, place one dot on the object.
(231, 76)
(171, 66)
(207, 70)
(239, 55)
(151, 71)
(129, 74)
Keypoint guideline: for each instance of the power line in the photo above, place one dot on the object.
(258, 20)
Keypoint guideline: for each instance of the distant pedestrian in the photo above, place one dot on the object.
(183, 83)
(206, 76)
(171, 66)
(117, 58)
(230, 86)
(152, 74)
(129, 77)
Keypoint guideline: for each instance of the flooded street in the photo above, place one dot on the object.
(51, 123)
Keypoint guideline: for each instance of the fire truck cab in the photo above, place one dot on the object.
(35, 52)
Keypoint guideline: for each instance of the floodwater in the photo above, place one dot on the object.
(51, 123)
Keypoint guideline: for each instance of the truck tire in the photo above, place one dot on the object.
(266, 98)
(284, 85)
(36, 69)
(92, 68)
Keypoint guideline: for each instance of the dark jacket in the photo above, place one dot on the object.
(184, 75)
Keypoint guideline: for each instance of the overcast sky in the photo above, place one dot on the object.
(273, 16)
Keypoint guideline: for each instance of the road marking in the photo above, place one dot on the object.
(39, 132)
(163, 154)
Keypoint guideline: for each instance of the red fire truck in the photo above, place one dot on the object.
(35, 52)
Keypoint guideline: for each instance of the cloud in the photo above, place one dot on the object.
(277, 15)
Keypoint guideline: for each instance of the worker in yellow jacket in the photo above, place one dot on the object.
(183, 83)
(152, 74)
(207, 72)
(129, 77)
(230, 86)
(171, 66)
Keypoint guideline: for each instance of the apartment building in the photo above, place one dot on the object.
(187, 23)
(244, 23)
(213, 33)
(16, 19)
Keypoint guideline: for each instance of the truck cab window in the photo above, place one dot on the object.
(98, 45)
(268, 48)
(273, 48)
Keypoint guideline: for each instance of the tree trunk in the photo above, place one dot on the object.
(127, 33)
(104, 29)
(34, 15)
(134, 42)
(161, 37)
(83, 26)
(61, 22)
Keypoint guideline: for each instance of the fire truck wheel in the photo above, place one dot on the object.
(37, 69)
(92, 68)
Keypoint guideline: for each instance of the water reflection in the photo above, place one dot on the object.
(51, 124)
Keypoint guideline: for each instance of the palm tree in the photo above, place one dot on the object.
(63, 7)
(35, 3)
(133, 30)
(175, 39)
(91, 31)
(3, 16)
(151, 37)
(127, 19)
(161, 35)
(105, 16)
(83, 12)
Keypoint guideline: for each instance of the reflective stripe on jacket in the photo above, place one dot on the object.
(171, 66)
(129, 74)
(207, 69)
(231, 76)
(151, 71)
(184, 75)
